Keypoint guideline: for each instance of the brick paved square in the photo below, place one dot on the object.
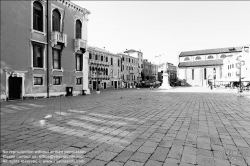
(171, 162)
(123, 156)
(139, 157)
(133, 163)
(160, 154)
(160, 129)
(106, 156)
(153, 163)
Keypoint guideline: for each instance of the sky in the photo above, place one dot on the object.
(166, 28)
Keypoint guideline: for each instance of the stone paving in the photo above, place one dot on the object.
(128, 127)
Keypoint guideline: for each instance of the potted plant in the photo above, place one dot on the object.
(97, 91)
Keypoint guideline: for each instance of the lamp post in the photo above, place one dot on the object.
(239, 64)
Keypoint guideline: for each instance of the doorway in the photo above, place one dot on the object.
(115, 84)
(94, 85)
(15, 88)
(104, 85)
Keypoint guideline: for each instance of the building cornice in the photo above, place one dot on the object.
(75, 7)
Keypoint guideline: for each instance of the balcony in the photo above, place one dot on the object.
(58, 37)
(80, 44)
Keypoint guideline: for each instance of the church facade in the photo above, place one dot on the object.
(198, 68)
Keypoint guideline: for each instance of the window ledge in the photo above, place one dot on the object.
(56, 85)
(78, 71)
(37, 68)
(38, 85)
(59, 70)
(35, 31)
(79, 85)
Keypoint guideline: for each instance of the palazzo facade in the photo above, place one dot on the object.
(43, 49)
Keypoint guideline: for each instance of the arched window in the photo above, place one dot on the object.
(37, 16)
(198, 58)
(223, 56)
(78, 29)
(186, 59)
(210, 57)
(56, 20)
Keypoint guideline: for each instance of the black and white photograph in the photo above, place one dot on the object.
(125, 83)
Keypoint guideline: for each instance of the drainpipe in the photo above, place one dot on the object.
(47, 48)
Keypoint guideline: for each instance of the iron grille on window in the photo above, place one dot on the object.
(38, 80)
(79, 81)
(57, 80)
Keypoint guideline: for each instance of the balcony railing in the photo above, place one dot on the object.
(79, 43)
(58, 37)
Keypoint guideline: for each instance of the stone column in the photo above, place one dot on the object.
(165, 83)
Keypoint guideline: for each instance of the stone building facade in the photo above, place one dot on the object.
(104, 69)
(149, 71)
(139, 56)
(231, 70)
(40, 57)
(130, 72)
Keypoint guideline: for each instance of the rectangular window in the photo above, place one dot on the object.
(192, 74)
(107, 59)
(90, 82)
(56, 59)
(99, 82)
(57, 80)
(38, 80)
(111, 61)
(118, 62)
(78, 62)
(37, 55)
(112, 83)
(79, 81)
(90, 56)
(101, 58)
